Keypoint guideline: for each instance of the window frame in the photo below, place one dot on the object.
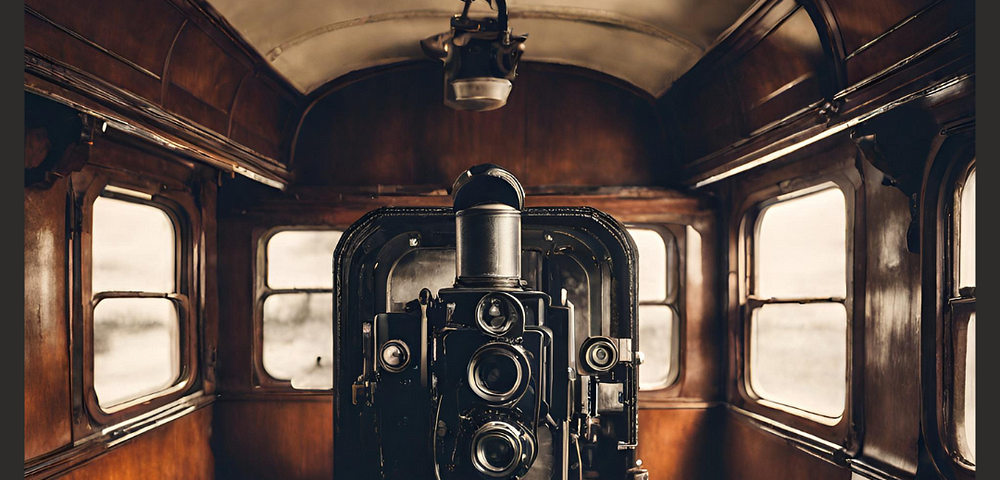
(262, 379)
(959, 306)
(184, 215)
(948, 166)
(673, 297)
(829, 435)
(753, 302)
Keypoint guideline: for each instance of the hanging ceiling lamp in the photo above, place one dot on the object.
(480, 59)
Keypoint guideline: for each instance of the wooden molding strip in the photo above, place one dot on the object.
(91, 43)
(132, 114)
(86, 449)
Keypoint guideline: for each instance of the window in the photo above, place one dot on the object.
(136, 304)
(657, 306)
(797, 332)
(297, 307)
(963, 314)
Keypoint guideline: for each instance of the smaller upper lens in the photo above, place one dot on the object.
(599, 354)
(394, 355)
(497, 313)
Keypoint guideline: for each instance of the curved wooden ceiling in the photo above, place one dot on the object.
(648, 43)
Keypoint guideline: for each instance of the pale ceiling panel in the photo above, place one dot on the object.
(648, 43)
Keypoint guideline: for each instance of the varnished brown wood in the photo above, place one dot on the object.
(683, 443)
(557, 129)
(273, 439)
(751, 454)
(892, 330)
(183, 64)
(46, 340)
(202, 80)
(179, 449)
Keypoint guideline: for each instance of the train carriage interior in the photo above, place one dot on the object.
(500, 239)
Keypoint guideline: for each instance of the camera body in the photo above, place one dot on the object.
(487, 369)
(485, 366)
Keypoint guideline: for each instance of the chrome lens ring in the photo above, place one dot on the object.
(499, 373)
(394, 356)
(599, 354)
(500, 449)
(497, 313)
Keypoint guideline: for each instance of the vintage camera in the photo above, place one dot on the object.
(490, 376)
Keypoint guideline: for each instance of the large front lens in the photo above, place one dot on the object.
(497, 452)
(499, 373)
(500, 449)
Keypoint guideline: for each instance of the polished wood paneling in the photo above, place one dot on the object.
(751, 453)
(557, 128)
(185, 61)
(46, 335)
(780, 75)
(927, 27)
(145, 43)
(203, 79)
(265, 439)
(50, 41)
(861, 21)
(259, 117)
(682, 443)
(179, 449)
(892, 330)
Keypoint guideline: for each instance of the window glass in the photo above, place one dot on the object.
(652, 264)
(136, 341)
(301, 258)
(418, 269)
(798, 355)
(298, 339)
(136, 348)
(970, 388)
(657, 263)
(967, 234)
(798, 351)
(656, 331)
(801, 247)
(132, 247)
(297, 343)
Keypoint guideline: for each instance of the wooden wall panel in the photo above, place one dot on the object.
(681, 443)
(261, 439)
(52, 42)
(780, 75)
(130, 57)
(236, 298)
(202, 80)
(707, 115)
(557, 128)
(179, 449)
(588, 133)
(146, 43)
(46, 335)
(860, 21)
(892, 330)
(751, 453)
(259, 117)
(931, 25)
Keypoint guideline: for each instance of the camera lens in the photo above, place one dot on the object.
(497, 452)
(599, 354)
(497, 313)
(500, 449)
(394, 356)
(499, 373)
